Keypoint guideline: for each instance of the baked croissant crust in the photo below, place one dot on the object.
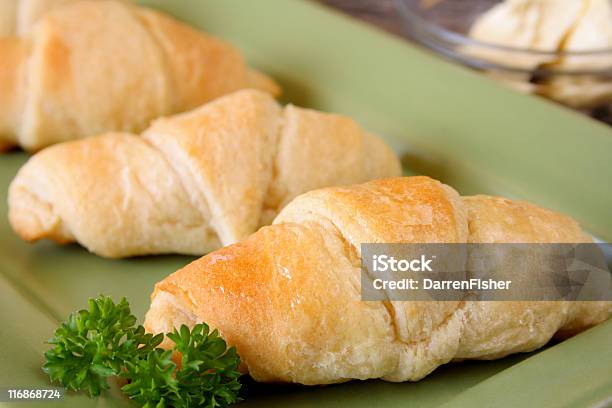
(95, 66)
(192, 182)
(288, 297)
(17, 17)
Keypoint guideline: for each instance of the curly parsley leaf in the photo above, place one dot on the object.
(103, 341)
(208, 376)
(93, 344)
(151, 379)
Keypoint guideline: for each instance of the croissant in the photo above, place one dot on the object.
(94, 66)
(192, 182)
(288, 297)
(18, 16)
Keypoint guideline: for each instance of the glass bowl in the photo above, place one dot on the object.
(499, 39)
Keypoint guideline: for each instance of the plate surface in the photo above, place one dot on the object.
(444, 120)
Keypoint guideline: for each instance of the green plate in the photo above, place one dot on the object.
(444, 120)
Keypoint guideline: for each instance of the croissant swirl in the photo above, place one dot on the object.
(94, 66)
(288, 297)
(192, 182)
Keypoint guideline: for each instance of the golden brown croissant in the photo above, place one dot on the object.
(288, 297)
(95, 66)
(193, 181)
(17, 17)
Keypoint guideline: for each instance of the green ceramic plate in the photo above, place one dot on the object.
(445, 121)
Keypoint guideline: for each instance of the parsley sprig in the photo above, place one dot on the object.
(104, 341)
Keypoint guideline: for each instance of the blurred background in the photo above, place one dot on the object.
(557, 49)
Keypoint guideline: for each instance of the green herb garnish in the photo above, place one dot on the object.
(104, 341)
